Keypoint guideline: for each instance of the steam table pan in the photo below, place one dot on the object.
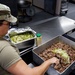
(38, 60)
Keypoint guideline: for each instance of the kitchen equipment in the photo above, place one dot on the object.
(26, 55)
(70, 35)
(25, 43)
(38, 60)
(38, 39)
(52, 71)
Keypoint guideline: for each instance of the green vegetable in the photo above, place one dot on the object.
(12, 33)
(63, 55)
(21, 37)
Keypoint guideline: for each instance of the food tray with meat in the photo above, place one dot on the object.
(59, 47)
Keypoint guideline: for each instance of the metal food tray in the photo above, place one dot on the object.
(38, 60)
(25, 43)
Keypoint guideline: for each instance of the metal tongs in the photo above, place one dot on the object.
(52, 71)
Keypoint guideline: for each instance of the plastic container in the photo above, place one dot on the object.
(38, 39)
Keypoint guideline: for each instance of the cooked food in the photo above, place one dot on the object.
(62, 51)
(63, 54)
(21, 37)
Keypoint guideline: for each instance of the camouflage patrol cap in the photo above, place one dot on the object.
(5, 14)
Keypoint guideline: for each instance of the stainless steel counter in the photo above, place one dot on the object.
(52, 28)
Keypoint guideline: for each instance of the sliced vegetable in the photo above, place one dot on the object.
(63, 54)
(21, 37)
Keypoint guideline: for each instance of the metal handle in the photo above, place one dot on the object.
(52, 71)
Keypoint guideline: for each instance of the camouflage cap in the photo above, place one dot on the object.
(5, 14)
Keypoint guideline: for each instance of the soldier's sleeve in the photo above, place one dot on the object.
(8, 56)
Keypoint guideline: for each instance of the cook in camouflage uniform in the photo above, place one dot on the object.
(10, 60)
(6, 57)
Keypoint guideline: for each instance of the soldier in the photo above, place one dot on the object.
(10, 61)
